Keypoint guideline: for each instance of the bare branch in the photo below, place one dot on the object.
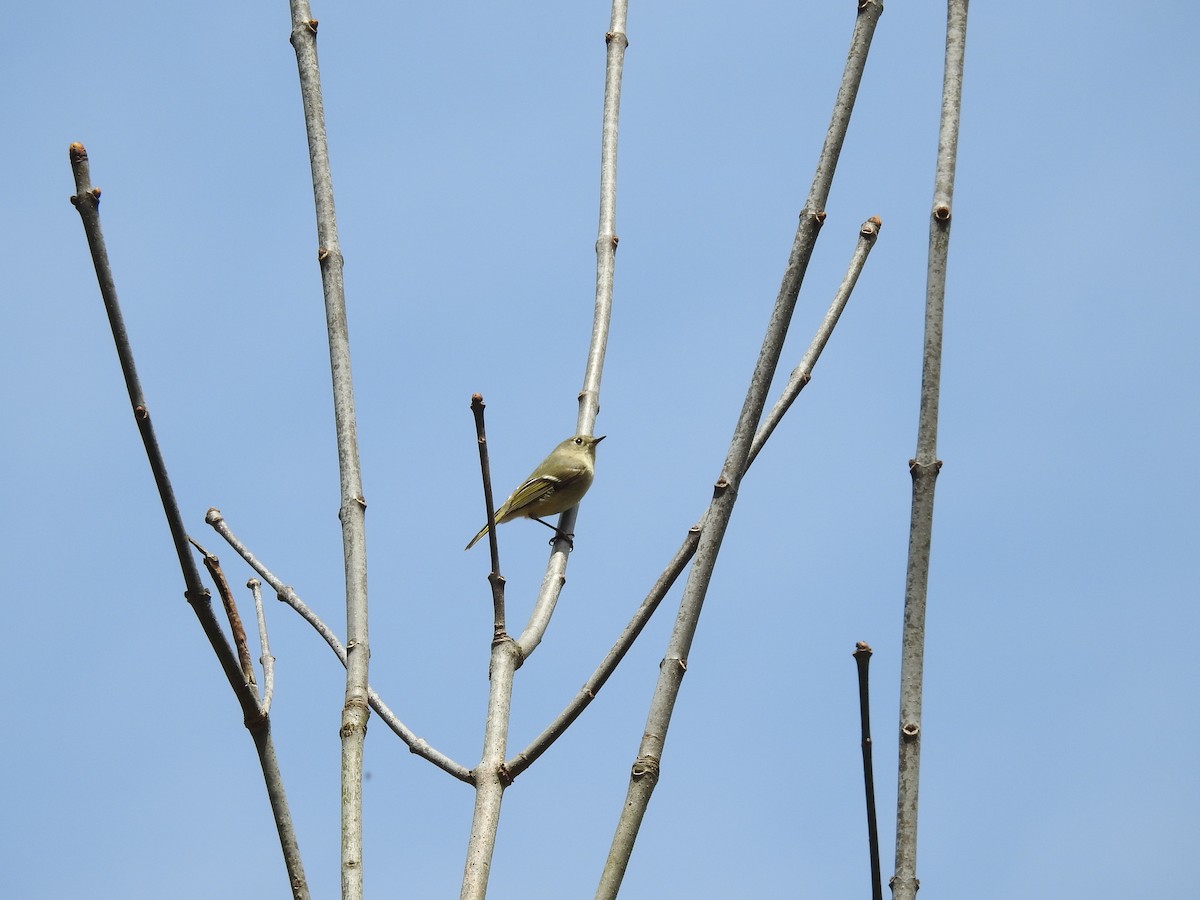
(231, 613)
(507, 655)
(415, 744)
(802, 374)
(485, 468)
(800, 377)
(87, 202)
(644, 773)
(925, 466)
(352, 510)
(591, 688)
(265, 658)
(862, 660)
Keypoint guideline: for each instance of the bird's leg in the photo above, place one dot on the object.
(569, 538)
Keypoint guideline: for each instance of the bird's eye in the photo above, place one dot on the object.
(578, 440)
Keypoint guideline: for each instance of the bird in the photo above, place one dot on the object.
(557, 484)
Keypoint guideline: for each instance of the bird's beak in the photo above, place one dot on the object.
(599, 439)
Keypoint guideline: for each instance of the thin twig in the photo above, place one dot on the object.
(862, 659)
(925, 466)
(485, 468)
(87, 202)
(231, 612)
(802, 374)
(645, 769)
(417, 745)
(265, 658)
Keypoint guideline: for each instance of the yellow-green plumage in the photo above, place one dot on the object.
(558, 483)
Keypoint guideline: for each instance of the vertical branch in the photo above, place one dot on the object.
(925, 466)
(645, 769)
(491, 776)
(606, 236)
(352, 508)
(616, 41)
(499, 628)
(87, 201)
(862, 661)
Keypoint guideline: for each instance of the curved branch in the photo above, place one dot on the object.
(417, 745)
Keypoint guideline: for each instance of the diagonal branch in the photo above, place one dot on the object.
(799, 378)
(645, 769)
(416, 745)
(87, 202)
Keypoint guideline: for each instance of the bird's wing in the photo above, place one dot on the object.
(530, 492)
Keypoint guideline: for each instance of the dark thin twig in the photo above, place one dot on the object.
(231, 611)
(862, 658)
(485, 468)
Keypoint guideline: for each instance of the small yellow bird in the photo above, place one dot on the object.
(557, 484)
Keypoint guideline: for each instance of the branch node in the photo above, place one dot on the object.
(941, 212)
(645, 767)
(911, 731)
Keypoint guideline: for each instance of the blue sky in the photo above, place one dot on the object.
(1060, 715)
